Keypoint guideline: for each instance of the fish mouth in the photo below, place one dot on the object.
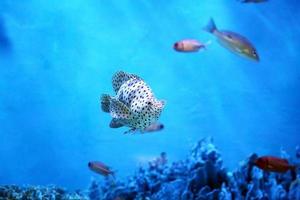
(250, 57)
(254, 58)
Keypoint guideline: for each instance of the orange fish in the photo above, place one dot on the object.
(273, 164)
(100, 168)
(189, 45)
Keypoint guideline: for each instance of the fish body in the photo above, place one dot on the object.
(134, 105)
(100, 168)
(188, 45)
(273, 164)
(154, 127)
(253, 1)
(232, 41)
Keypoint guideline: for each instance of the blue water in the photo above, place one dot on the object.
(57, 57)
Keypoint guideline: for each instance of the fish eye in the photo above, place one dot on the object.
(254, 54)
(229, 36)
(161, 126)
(89, 164)
(176, 45)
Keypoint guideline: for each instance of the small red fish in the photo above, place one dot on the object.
(100, 168)
(188, 45)
(273, 164)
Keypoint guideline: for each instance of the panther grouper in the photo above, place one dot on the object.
(233, 41)
(134, 105)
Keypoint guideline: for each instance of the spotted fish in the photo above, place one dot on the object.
(134, 105)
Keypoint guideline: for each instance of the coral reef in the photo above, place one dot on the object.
(13, 192)
(201, 176)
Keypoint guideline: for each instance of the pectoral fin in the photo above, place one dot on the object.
(119, 110)
(105, 102)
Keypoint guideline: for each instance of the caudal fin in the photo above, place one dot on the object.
(211, 26)
(105, 103)
(207, 44)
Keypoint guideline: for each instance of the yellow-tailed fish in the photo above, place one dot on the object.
(233, 41)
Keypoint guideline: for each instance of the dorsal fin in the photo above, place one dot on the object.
(120, 78)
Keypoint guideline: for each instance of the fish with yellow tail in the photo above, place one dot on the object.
(134, 104)
(234, 42)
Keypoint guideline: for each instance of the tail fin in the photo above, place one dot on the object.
(105, 102)
(207, 44)
(211, 26)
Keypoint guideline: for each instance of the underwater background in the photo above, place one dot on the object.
(58, 57)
